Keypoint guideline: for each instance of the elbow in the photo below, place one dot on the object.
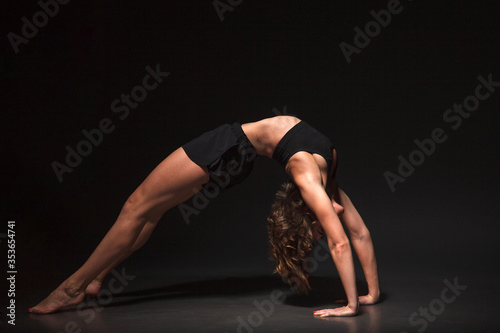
(361, 235)
(340, 246)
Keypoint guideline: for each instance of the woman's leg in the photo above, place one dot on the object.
(94, 286)
(173, 181)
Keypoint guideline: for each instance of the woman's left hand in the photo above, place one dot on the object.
(344, 311)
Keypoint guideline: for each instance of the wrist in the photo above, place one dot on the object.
(354, 307)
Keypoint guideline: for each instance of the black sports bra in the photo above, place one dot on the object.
(303, 137)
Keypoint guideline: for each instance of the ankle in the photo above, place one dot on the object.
(72, 291)
(72, 288)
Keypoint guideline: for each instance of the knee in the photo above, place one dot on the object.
(133, 207)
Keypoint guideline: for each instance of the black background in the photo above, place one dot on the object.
(264, 55)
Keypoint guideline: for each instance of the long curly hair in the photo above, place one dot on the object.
(291, 237)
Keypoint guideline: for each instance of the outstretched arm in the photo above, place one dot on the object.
(362, 243)
(318, 201)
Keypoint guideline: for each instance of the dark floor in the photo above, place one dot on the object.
(413, 301)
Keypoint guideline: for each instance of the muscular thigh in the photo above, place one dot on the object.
(173, 181)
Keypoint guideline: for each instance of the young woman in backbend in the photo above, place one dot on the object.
(310, 206)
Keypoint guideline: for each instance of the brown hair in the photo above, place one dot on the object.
(291, 237)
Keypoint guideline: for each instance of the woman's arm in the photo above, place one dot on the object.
(308, 179)
(362, 243)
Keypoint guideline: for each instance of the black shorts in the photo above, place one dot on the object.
(226, 152)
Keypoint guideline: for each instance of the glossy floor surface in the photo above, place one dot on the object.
(412, 301)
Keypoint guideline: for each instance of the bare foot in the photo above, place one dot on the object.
(344, 311)
(59, 298)
(93, 288)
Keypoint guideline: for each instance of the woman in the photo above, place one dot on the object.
(306, 210)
